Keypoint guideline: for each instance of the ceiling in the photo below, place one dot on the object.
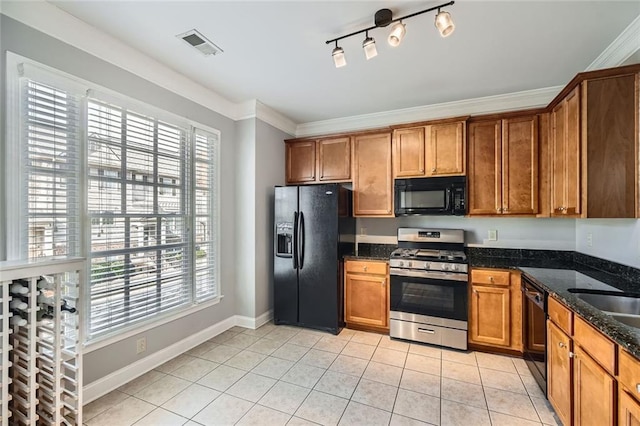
(275, 51)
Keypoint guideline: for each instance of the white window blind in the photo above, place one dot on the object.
(132, 188)
(50, 155)
(139, 205)
(206, 225)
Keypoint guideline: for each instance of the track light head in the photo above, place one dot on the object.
(338, 56)
(397, 34)
(369, 46)
(444, 24)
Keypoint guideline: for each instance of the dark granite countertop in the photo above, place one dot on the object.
(558, 282)
(369, 257)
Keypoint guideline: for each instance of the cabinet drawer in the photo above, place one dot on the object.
(486, 276)
(560, 315)
(360, 266)
(629, 372)
(599, 347)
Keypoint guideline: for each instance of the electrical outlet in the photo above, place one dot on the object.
(141, 345)
(493, 235)
(590, 239)
(363, 231)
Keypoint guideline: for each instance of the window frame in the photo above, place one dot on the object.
(16, 247)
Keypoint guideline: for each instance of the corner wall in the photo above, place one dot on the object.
(617, 240)
(260, 161)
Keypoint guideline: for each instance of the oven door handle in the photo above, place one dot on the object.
(426, 330)
(437, 275)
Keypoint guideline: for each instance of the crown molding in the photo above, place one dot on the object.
(484, 105)
(625, 45)
(49, 19)
(256, 109)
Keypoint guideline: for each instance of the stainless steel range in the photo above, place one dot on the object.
(429, 279)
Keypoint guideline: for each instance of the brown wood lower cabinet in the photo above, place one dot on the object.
(628, 409)
(495, 309)
(559, 347)
(583, 391)
(593, 391)
(366, 286)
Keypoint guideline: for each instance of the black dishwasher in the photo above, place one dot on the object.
(534, 331)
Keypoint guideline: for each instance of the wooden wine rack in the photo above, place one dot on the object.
(40, 357)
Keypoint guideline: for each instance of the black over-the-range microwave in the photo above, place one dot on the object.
(431, 196)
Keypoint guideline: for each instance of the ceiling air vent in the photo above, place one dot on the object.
(200, 42)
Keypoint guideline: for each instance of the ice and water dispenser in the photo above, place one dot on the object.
(284, 239)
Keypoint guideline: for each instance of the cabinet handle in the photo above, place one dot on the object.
(638, 387)
(433, 170)
(561, 344)
(491, 279)
(364, 268)
(382, 282)
(505, 210)
(572, 355)
(421, 169)
(499, 209)
(475, 291)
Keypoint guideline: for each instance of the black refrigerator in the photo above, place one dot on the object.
(314, 229)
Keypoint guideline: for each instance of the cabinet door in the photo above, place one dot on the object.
(334, 159)
(573, 194)
(408, 152)
(490, 315)
(628, 409)
(559, 372)
(565, 182)
(372, 180)
(445, 149)
(485, 168)
(301, 162)
(366, 300)
(593, 391)
(520, 165)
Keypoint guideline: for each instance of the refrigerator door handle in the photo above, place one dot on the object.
(301, 236)
(295, 240)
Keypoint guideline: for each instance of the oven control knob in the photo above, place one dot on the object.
(454, 267)
(445, 266)
(409, 265)
(401, 263)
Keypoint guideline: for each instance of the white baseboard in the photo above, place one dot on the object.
(106, 384)
(254, 323)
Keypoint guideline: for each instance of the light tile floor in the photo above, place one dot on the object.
(280, 375)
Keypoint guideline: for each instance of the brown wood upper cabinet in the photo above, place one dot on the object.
(565, 156)
(372, 180)
(322, 160)
(503, 166)
(431, 150)
(594, 144)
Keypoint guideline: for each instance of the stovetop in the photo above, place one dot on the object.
(429, 254)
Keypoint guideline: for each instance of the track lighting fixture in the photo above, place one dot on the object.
(383, 18)
(444, 23)
(338, 56)
(369, 46)
(397, 34)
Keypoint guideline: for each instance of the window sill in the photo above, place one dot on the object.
(125, 333)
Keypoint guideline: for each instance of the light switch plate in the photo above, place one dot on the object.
(493, 235)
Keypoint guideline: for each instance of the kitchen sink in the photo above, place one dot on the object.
(623, 307)
(632, 320)
(613, 304)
